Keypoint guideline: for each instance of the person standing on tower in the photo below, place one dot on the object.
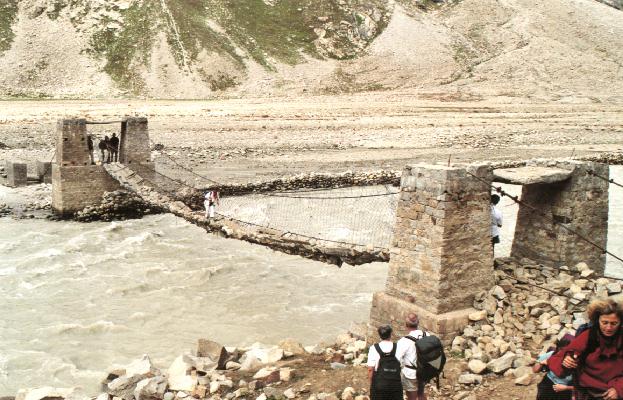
(114, 148)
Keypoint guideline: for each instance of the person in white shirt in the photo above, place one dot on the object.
(496, 220)
(391, 390)
(212, 199)
(406, 354)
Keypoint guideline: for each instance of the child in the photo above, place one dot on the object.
(553, 387)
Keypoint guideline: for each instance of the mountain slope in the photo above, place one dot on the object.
(203, 48)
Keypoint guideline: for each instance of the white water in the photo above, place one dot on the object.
(77, 298)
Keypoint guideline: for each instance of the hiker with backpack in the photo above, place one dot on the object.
(595, 356)
(422, 358)
(384, 368)
(552, 386)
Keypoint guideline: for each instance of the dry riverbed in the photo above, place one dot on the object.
(245, 140)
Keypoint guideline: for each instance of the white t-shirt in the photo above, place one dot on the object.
(496, 221)
(406, 354)
(374, 357)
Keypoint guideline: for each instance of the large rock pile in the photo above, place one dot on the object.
(530, 307)
(117, 205)
(215, 372)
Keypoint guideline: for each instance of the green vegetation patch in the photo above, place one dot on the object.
(8, 14)
(128, 48)
(281, 32)
(195, 35)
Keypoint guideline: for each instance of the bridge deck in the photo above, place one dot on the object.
(329, 251)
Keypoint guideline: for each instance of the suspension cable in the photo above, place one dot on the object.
(252, 223)
(282, 195)
(593, 173)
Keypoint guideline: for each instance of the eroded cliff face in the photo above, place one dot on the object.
(207, 48)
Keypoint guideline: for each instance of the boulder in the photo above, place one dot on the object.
(470, 379)
(613, 288)
(151, 388)
(232, 366)
(213, 351)
(43, 393)
(498, 293)
(286, 374)
(292, 346)
(478, 315)
(477, 366)
(267, 375)
(179, 375)
(249, 362)
(348, 393)
(501, 364)
(315, 349)
(524, 380)
(266, 355)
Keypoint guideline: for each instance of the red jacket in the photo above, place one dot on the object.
(597, 374)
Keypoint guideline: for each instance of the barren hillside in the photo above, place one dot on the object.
(569, 50)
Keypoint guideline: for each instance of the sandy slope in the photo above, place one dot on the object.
(569, 50)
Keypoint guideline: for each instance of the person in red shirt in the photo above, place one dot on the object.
(595, 357)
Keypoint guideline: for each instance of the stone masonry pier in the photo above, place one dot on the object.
(441, 254)
(76, 183)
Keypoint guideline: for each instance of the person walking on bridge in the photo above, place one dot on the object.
(212, 199)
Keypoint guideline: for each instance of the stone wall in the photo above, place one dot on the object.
(16, 174)
(71, 143)
(441, 255)
(580, 203)
(75, 188)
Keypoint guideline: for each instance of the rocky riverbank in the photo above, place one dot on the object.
(117, 205)
(524, 313)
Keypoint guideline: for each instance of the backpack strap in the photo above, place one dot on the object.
(378, 349)
(414, 340)
(391, 353)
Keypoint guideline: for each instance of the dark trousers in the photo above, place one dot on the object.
(545, 391)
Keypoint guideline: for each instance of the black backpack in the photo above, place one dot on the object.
(430, 358)
(387, 374)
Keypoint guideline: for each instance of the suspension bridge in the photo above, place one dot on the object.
(434, 229)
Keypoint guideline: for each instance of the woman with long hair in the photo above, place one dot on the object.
(595, 357)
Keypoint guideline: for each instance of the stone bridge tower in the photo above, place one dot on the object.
(75, 182)
(442, 257)
(441, 254)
